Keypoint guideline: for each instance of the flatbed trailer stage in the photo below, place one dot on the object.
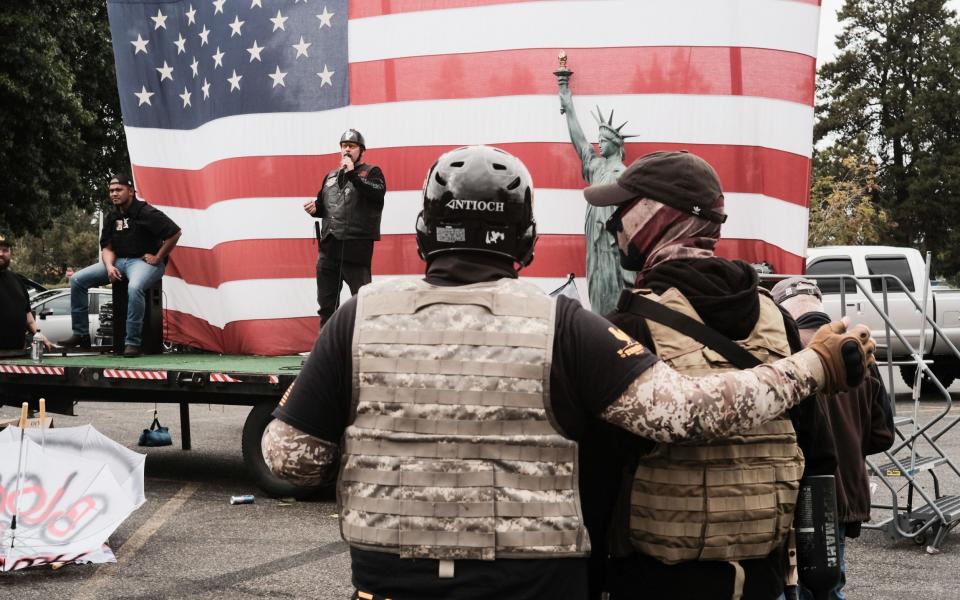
(183, 379)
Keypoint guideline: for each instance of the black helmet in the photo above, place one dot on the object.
(352, 135)
(479, 199)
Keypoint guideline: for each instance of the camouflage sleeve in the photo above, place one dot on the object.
(665, 406)
(298, 457)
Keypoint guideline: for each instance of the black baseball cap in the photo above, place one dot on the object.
(122, 179)
(678, 179)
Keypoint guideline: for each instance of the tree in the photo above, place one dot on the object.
(896, 82)
(61, 118)
(843, 210)
(72, 240)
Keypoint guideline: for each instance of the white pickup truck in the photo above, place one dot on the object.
(907, 264)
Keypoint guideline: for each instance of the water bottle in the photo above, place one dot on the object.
(36, 347)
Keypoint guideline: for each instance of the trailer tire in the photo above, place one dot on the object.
(258, 419)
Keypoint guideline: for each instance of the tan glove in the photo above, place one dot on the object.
(845, 354)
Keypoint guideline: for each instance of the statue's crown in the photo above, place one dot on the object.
(607, 124)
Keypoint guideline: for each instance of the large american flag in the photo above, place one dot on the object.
(233, 110)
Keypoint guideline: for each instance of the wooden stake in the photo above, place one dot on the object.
(23, 415)
(43, 413)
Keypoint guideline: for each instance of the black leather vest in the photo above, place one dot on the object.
(349, 213)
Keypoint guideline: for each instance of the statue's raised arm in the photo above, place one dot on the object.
(605, 277)
(588, 158)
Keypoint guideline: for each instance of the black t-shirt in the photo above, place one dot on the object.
(588, 373)
(141, 230)
(14, 304)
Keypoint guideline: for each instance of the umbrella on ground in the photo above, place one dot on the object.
(85, 441)
(59, 502)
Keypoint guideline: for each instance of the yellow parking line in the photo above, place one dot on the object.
(90, 591)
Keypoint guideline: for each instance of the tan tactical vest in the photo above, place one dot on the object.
(729, 499)
(452, 452)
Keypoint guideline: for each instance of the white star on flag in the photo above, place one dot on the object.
(191, 15)
(255, 3)
(140, 45)
(301, 48)
(235, 81)
(159, 21)
(325, 18)
(203, 36)
(255, 51)
(143, 96)
(326, 76)
(206, 89)
(277, 77)
(236, 25)
(166, 72)
(218, 6)
(278, 21)
(185, 96)
(180, 43)
(194, 65)
(218, 58)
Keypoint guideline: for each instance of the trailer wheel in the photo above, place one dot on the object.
(253, 428)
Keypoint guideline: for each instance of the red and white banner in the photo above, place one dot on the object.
(730, 80)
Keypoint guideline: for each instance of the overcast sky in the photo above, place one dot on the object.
(829, 28)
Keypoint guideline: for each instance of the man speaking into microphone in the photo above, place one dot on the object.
(350, 203)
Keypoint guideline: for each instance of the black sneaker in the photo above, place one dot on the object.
(131, 351)
(83, 341)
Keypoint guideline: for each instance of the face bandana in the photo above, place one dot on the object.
(649, 233)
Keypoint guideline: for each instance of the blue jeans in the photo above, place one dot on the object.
(837, 592)
(140, 276)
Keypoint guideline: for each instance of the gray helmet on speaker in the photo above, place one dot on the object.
(353, 136)
(478, 199)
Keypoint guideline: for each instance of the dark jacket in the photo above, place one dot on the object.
(351, 204)
(724, 294)
(862, 424)
(141, 230)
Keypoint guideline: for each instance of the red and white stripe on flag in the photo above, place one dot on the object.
(731, 80)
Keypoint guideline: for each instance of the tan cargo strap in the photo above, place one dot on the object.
(486, 451)
(448, 337)
(747, 476)
(640, 499)
(453, 427)
(419, 478)
(445, 569)
(433, 396)
(409, 302)
(672, 476)
(529, 539)
(739, 578)
(664, 528)
(451, 367)
(395, 537)
(422, 508)
(459, 480)
(781, 450)
(742, 503)
(680, 475)
(745, 551)
(760, 526)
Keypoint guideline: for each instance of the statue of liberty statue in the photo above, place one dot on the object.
(605, 277)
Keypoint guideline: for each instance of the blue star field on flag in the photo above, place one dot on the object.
(181, 64)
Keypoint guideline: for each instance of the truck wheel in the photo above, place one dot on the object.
(946, 373)
(253, 428)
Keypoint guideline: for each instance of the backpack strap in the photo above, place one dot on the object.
(654, 311)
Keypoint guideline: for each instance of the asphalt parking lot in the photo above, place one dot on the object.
(187, 541)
